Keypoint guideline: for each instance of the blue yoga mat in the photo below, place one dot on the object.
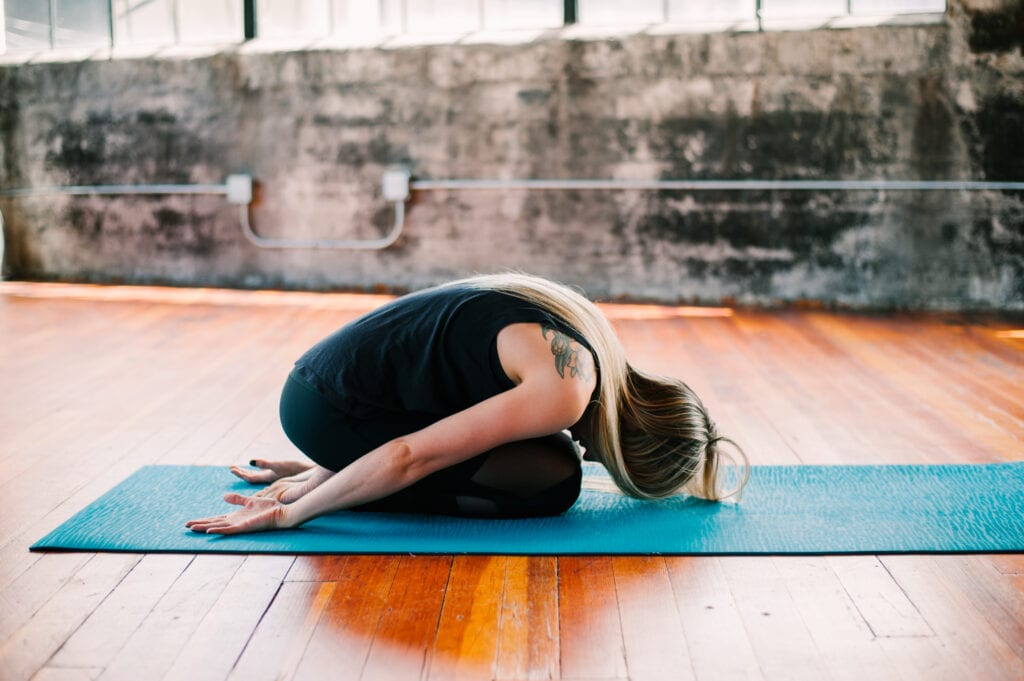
(785, 510)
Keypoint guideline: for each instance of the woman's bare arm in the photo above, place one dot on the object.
(546, 401)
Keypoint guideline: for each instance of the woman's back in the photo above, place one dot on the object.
(433, 352)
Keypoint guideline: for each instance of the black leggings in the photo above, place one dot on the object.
(537, 477)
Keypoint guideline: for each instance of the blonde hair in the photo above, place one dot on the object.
(651, 432)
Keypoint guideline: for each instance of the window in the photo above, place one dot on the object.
(33, 25)
(172, 22)
(296, 18)
(711, 10)
(793, 13)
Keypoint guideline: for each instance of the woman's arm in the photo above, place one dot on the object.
(532, 409)
(547, 400)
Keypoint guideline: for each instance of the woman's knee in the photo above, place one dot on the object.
(535, 477)
(316, 428)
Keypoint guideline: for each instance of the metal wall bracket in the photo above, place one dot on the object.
(394, 187)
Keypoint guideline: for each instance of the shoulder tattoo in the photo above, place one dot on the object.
(568, 354)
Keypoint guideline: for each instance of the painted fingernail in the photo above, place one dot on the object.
(252, 462)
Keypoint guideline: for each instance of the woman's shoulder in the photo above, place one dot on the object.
(540, 352)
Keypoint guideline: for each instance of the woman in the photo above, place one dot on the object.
(455, 400)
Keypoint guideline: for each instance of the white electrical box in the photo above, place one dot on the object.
(395, 185)
(239, 188)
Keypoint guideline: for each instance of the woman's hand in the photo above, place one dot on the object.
(270, 470)
(255, 515)
(287, 490)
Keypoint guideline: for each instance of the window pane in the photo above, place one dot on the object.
(803, 8)
(897, 6)
(711, 10)
(210, 21)
(391, 18)
(82, 23)
(442, 16)
(607, 12)
(26, 24)
(293, 18)
(358, 17)
(523, 13)
(144, 22)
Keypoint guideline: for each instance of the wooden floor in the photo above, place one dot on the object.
(99, 381)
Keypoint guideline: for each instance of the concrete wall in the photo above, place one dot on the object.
(317, 129)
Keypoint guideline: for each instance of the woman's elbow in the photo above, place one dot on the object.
(406, 467)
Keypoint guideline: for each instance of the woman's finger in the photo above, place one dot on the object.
(235, 498)
(280, 468)
(254, 477)
(201, 527)
(223, 529)
(201, 521)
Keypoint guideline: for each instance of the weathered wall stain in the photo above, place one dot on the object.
(999, 153)
(997, 29)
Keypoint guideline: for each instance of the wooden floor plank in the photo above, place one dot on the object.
(345, 632)
(590, 634)
(67, 674)
(770, 425)
(717, 641)
(318, 568)
(972, 643)
(111, 624)
(879, 599)
(405, 636)
(1008, 563)
(159, 639)
(801, 411)
(993, 595)
(24, 595)
(32, 645)
(90, 458)
(843, 641)
(652, 633)
(878, 411)
(916, 658)
(467, 633)
(782, 642)
(221, 636)
(276, 647)
(962, 436)
(528, 640)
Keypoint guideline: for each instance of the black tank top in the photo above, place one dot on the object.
(431, 353)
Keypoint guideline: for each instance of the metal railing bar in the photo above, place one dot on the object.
(118, 189)
(721, 185)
